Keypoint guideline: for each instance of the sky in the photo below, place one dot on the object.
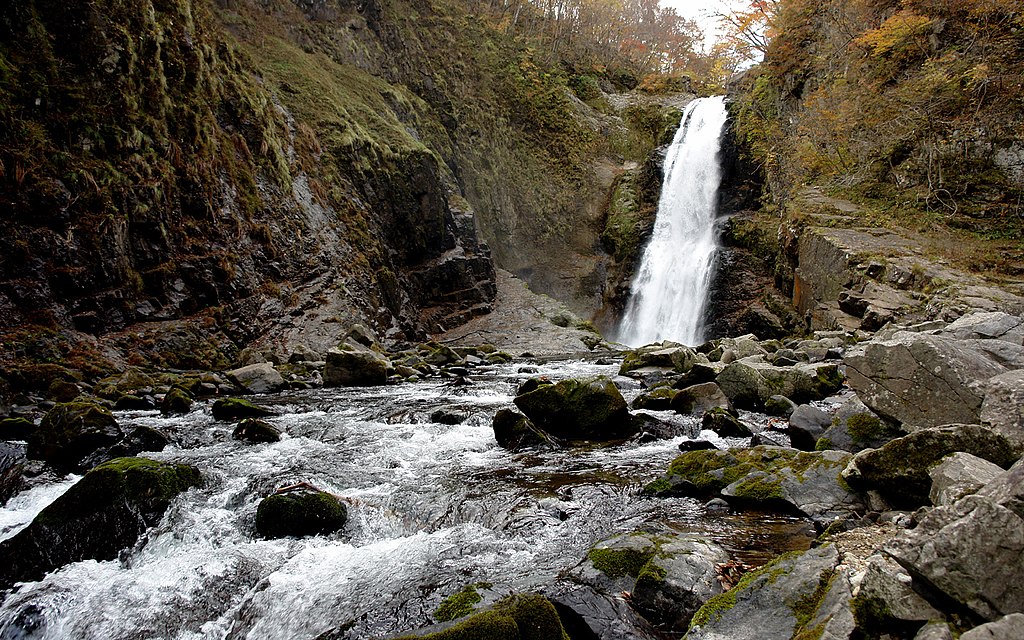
(700, 11)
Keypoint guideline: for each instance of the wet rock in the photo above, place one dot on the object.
(750, 384)
(972, 552)
(589, 409)
(779, 406)
(139, 440)
(105, 512)
(806, 425)
(70, 431)
(254, 430)
(587, 612)
(886, 601)
(790, 597)
(355, 369)
(724, 424)
(300, 512)
(855, 428)
(16, 428)
(958, 475)
(449, 416)
(515, 432)
(176, 401)
(134, 403)
(899, 470)
(658, 399)
(1002, 410)
(12, 461)
(1009, 627)
(653, 428)
(258, 378)
(236, 408)
(516, 617)
(696, 445)
(700, 398)
(921, 380)
(674, 357)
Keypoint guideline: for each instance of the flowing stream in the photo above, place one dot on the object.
(671, 284)
(432, 507)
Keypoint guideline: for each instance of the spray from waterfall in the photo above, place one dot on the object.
(671, 285)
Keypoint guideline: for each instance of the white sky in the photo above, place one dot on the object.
(700, 11)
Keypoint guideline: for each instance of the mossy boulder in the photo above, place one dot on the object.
(899, 470)
(176, 401)
(667, 355)
(71, 431)
(589, 409)
(700, 398)
(749, 384)
(300, 512)
(514, 431)
(724, 423)
(657, 399)
(355, 368)
(254, 430)
(855, 428)
(517, 617)
(460, 604)
(105, 512)
(16, 428)
(237, 408)
(62, 391)
(130, 380)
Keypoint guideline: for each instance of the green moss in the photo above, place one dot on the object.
(299, 513)
(872, 615)
(823, 444)
(616, 563)
(517, 617)
(717, 606)
(759, 489)
(864, 427)
(806, 607)
(650, 575)
(659, 487)
(235, 408)
(460, 604)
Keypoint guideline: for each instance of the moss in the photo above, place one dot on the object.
(872, 615)
(299, 513)
(864, 427)
(759, 489)
(823, 444)
(659, 487)
(235, 408)
(806, 607)
(459, 604)
(517, 617)
(651, 575)
(616, 563)
(717, 606)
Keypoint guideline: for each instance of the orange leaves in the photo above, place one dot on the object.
(902, 34)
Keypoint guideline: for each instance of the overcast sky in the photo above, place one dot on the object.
(699, 10)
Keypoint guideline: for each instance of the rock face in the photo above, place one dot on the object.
(921, 380)
(1002, 410)
(590, 409)
(300, 512)
(900, 469)
(106, 511)
(792, 595)
(70, 432)
(958, 475)
(258, 378)
(352, 368)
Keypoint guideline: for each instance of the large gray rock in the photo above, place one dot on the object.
(355, 368)
(1009, 627)
(515, 432)
(921, 380)
(934, 631)
(699, 398)
(806, 425)
(750, 383)
(1007, 489)
(991, 325)
(589, 409)
(587, 612)
(258, 378)
(1003, 407)
(899, 470)
(886, 601)
(765, 603)
(855, 427)
(958, 475)
(677, 580)
(971, 552)
(666, 355)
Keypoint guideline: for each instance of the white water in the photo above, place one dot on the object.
(671, 285)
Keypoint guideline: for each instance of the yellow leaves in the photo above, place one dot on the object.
(898, 35)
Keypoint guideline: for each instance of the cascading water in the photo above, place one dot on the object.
(669, 290)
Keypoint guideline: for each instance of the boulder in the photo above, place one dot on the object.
(696, 445)
(176, 401)
(258, 378)
(1007, 489)
(921, 380)
(749, 384)
(590, 409)
(515, 432)
(236, 408)
(779, 406)
(658, 399)
(1009, 627)
(899, 470)
(699, 398)
(653, 427)
(1002, 409)
(725, 424)
(793, 596)
(130, 380)
(254, 430)
(70, 431)
(105, 512)
(587, 612)
(360, 334)
(129, 402)
(516, 617)
(806, 425)
(302, 353)
(140, 439)
(12, 461)
(15, 429)
(935, 631)
(300, 512)
(886, 602)
(971, 552)
(992, 325)
(855, 428)
(671, 356)
(355, 368)
(958, 475)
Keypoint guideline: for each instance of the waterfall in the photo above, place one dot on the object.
(670, 287)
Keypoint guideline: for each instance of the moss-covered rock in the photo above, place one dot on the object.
(667, 355)
(106, 511)
(724, 423)
(300, 512)
(517, 617)
(515, 431)
(255, 430)
(658, 399)
(590, 409)
(70, 431)
(237, 408)
(460, 604)
(16, 428)
(177, 400)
